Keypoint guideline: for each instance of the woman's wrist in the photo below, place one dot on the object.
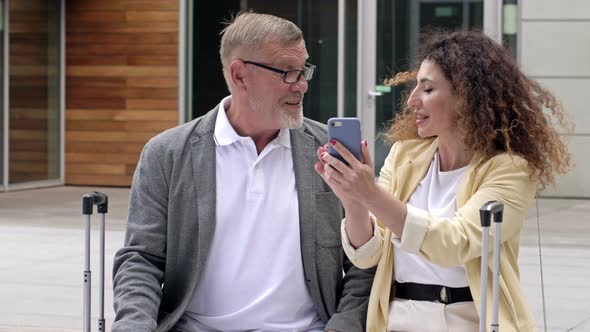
(359, 228)
(356, 213)
(353, 205)
(374, 197)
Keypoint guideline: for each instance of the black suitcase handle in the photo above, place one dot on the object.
(101, 201)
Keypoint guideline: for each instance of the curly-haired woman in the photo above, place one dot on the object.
(474, 130)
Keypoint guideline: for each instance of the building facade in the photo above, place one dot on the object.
(86, 83)
(555, 50)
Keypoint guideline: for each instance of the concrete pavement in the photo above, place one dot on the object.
(42, 242)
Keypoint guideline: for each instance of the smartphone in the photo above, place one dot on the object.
(347, 131)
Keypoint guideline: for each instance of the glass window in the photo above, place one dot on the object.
(320, 31)
(350, 56)
(510, 25)
(34, 91)
(2, 131)
(399, 24)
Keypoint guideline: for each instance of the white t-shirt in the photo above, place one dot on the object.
(436, 194)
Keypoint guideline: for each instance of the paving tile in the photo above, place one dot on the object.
(41, 232)
(582, 326)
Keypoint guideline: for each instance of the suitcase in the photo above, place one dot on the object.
(88, 201)
(490, 209)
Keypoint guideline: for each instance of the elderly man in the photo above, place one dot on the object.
(229, 227)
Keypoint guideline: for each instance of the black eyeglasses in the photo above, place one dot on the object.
(289, 76)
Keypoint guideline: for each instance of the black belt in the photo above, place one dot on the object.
(432, 293)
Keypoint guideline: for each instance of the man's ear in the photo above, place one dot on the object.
(237, 72)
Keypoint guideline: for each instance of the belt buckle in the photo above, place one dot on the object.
(444, 295)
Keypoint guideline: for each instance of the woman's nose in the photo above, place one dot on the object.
(413, 100)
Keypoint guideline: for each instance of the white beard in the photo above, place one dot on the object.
(292, 121)
(287, 120)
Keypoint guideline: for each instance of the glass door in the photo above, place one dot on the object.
(330, 31)
(390, 47)
(319, 21)
(3, 113)
(32, 108)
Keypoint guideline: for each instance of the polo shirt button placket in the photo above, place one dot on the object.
(256, 179)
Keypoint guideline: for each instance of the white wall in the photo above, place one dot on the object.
(555, 50)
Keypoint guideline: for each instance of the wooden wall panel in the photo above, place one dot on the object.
(121, 85)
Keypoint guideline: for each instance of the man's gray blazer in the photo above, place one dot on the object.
(172, 220)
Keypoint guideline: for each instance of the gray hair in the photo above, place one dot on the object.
(253, 31)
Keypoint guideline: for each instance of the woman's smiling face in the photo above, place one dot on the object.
(434, 102)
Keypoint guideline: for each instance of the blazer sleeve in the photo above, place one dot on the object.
(454, 241)
(351, 314)
(366, 252)
(138, 269)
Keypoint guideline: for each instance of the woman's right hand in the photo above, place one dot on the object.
(350, 178)
(358, 227)
(319, 167)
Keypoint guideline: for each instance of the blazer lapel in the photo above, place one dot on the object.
(409, 175)
(303, 150)
(202, 145)
(466, 186)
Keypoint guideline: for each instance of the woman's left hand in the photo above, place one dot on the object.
(352, 182)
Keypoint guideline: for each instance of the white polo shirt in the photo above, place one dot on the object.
(253, 278)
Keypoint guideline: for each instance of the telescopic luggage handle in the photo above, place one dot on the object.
(88, 201)
(99, 199)
(490, 209)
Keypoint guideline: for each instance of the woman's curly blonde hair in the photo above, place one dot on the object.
(500, 109)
